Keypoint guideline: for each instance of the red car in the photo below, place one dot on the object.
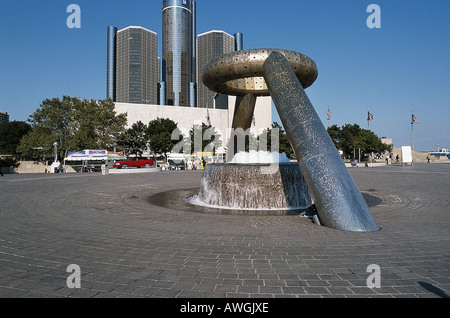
(138, 162)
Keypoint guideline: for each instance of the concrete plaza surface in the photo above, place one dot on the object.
(127, 246)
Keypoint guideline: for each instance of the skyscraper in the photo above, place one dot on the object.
(4, 117)
(210, 45)
(179, 51)
(137, 67)
(111, 63)
(239, 37)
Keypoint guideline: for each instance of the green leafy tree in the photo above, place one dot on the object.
(9, 162)
(335, 134)
(263, 142)
(284, 145)
(206, 137)
(10, 135)
(75, 124)
(351, 137)
(159, 133)
(37, 144)
(134, 140)
(95, 124)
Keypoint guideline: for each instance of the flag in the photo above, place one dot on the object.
(369, 116)
(329, 113)
(414, 119)
(208, 119)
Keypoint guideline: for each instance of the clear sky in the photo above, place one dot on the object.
(400, 68)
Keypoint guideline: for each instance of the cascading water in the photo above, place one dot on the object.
(271, 184)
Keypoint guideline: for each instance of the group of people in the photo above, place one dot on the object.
(390, 159)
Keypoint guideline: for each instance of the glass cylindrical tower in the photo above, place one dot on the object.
(239, 41)
(111, 64)
(178, 67)
(162, 93)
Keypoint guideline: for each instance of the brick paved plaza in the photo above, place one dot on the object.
(126, 246)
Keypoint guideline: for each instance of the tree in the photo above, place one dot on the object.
(134, 140)
(37, 144)
(205, 136)
(75, 124)
(284, 145)
(159, 133)
(335, 134)
(9, 162)
(350, 137)
(95, 124)
(263, 142)
(10, 135)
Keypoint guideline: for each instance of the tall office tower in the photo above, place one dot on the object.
(111, 63)
(209, 46)
(178, 51)
(239, 39)
(137, 67)
(4, 117)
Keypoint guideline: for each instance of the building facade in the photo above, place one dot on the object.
(137, 67)
(220, 119)
(178, 51)
(210, 45)
(4, 117)
(184, 56)
(111, 63)
(239, 45)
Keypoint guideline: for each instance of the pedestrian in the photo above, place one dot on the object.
(1, 165)
(397, 158)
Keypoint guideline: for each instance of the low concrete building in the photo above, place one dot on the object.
(187, 117)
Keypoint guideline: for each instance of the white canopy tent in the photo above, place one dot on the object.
(91, 158)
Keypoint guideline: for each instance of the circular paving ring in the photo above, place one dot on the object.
(240, 73)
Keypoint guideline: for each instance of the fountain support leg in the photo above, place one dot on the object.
(242, 121)
(338, 201)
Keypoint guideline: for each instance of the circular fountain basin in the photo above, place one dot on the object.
(261, 187)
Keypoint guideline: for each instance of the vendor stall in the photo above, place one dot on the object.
(90, 160)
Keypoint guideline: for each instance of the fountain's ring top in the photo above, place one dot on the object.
(240, 73)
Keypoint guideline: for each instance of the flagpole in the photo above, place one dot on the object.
(414, 120)
(412, 132)
(368, 118)
(329, 116)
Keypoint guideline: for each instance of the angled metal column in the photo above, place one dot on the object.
(242, 121)
(338, 201)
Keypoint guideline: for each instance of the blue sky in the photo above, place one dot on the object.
(404, 66)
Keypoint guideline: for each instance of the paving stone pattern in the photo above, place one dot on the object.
(127, 247)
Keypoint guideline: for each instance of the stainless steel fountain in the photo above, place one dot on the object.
(283, 75)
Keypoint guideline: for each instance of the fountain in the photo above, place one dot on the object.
(283, 75)
(255, 181)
